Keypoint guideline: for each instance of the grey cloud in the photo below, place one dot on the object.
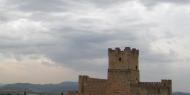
(155, 2)
(58, 5)
(79, 41)
(38, 5)
(76, 44)
(104, 3)
(3, 18)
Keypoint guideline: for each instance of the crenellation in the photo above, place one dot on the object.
(110, 50)
(117, 49)
(167, 83)
(135, 51)
(126, 51)
(162, 84)
(96, 80)
(83, 77)
(151, 84)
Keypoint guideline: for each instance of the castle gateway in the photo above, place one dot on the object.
(123, 78)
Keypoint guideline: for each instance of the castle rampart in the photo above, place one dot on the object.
(123, 78)
(127, 50)
(161, 84)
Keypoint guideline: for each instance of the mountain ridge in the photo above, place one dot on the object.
(52, 88)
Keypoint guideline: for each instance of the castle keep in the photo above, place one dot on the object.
(123, 78)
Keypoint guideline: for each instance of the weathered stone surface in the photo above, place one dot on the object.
(123, 78)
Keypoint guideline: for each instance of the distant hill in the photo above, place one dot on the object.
(51, 88)
(180, 93)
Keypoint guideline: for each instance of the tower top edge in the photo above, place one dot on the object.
(126, 49)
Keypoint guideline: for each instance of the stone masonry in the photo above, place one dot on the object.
(123, 78)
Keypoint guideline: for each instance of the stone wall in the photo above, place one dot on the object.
(156, 88)
(92, 86)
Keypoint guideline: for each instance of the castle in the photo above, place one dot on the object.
(123, 78)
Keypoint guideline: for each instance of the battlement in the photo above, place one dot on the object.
(85, 78)
(93, 80)
(127, 50)
(167, 82)
(123, 59)
(163, 83)
(151, 84)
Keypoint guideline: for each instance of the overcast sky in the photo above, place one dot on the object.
(50, 41)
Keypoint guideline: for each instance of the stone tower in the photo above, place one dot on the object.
(123, 70)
